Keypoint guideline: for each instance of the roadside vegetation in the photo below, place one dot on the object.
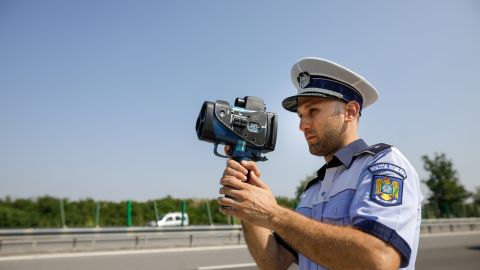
(46, 212)
(447, 198)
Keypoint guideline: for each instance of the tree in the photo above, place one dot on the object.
(302, 185)
(476, 196)
(443, 182)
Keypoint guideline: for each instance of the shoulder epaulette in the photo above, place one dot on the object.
(375, 149)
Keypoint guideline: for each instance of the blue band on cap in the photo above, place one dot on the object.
(347, 92)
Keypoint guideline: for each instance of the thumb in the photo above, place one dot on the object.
(253, 179)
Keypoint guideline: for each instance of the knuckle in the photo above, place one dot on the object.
(234, 172)
(229, 172)
(222, 201)
(241, 197)
(239, 175)
(229, 180)
(224, 181)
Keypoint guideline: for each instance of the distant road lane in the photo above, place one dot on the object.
(185, 258)
(459, 251)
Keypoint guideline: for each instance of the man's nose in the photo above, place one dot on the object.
(304, 124)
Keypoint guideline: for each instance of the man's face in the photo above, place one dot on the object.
(322, 122)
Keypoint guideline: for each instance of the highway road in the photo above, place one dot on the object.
(459, 251)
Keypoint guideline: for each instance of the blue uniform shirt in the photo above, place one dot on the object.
(374, 189)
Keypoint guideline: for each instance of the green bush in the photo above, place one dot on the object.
(44, 212)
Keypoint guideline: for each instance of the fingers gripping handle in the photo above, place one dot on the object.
(239, 153)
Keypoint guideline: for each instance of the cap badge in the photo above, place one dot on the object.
(303, 79)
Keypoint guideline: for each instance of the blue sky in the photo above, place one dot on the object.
(99, 98)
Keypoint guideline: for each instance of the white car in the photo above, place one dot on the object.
(170, 219)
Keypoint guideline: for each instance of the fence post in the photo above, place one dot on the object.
(129, 213)
(74, 243)
(209, 213)
(62, 213)
(239, 238)
(191, 240)
(156, 211)
(97, 215)
(446, 209)
(184, 208)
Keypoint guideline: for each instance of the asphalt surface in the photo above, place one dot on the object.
(459, 251)
(179, 259)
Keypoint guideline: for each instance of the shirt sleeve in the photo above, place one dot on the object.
(386, 203)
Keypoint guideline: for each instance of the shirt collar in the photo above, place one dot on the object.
(344, 156)
(347, 154)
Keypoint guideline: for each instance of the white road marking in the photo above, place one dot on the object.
(113, 253)
(227, 266)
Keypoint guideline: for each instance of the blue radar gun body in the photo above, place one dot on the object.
(246, 127)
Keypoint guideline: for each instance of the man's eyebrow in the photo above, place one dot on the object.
(305, 106)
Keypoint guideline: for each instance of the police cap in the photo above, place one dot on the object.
(317, 77)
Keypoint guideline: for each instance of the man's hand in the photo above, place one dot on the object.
(249, 198)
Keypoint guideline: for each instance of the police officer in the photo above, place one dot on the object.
(362, 211)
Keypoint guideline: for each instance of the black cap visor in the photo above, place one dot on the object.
(291, 103)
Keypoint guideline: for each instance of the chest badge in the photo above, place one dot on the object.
(386, 190)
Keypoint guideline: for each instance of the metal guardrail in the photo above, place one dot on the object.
(442, 225)
(81, 239)
(113, 230)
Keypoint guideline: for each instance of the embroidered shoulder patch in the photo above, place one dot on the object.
(388, 167)
(386, 190)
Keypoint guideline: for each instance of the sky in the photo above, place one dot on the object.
(99, 99)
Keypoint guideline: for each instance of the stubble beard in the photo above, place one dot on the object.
(332, 139)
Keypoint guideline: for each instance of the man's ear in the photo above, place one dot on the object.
(352, 111)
